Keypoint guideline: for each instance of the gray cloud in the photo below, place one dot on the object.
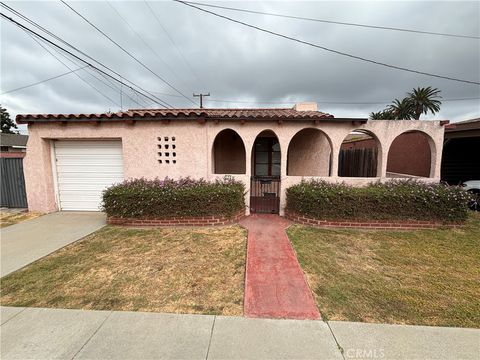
(237, 63)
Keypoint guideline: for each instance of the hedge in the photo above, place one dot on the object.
(393, 200)
(160, 199)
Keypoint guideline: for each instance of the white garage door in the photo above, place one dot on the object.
(84, 170)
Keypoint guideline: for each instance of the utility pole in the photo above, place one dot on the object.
(201, 98)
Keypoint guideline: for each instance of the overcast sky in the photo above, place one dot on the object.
(238, 64)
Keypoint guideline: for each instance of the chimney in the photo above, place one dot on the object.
(305, 106)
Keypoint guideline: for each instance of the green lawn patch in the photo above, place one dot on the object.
(427, 277)
(177, 270)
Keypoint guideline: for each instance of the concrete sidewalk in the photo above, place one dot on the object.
(78, 334)
(31, 240)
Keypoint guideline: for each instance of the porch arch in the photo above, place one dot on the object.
(228, 153)
(309, 153)
(411, 153)
(266, 155)
(360, 155)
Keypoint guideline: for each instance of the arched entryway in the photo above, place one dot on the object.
(266, 168)
(228, 153)
(410, 155)
(309, 154)
(360, 155)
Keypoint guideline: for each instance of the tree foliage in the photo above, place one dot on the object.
(7, 123)
(417, 102)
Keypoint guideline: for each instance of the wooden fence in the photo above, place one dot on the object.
(358, 162)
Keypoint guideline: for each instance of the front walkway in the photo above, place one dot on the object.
(32, 333)
(31, 240)
(275, 286)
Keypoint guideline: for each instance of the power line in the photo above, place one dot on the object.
(142, 91)
(171, 40)
(334, 22)
(151, 98)
(154, 52)
(321, 102)
(126, 51)
(68, 67)
(317, 101)
(327, 49)
(44, 81)
(111, 86)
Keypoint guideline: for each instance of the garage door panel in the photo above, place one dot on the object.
(84, 170)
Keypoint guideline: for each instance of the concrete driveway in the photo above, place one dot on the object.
(31, 240)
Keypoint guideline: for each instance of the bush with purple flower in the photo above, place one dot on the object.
(167, 198)
(392, 200)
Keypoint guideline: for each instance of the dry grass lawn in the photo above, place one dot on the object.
(428, 277)
(8, 218)
(166, 270)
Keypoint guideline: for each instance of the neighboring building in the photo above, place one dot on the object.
(461, 152)
(13, 148)
(72, 158)
(13, 145)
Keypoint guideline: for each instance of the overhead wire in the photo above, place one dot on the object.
(333, 22)
(138, 89)
(140, 37)
(189, 66)
(44, 80)
(342, 53)
(126, 51)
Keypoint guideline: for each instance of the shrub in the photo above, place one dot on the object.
(393, 200)
(142, 198)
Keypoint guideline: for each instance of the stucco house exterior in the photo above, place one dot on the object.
(71, 158)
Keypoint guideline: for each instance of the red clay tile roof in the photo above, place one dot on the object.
(154, 114)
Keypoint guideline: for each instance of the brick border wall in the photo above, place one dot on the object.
(178, 221)
(369, 224)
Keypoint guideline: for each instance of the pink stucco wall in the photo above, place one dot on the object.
(194, 144)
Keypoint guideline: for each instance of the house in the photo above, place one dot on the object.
(71, 158)
(13, 145)
(461, 160)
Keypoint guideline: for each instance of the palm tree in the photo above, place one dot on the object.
(424, 100)
(382, 115)
(401, 110)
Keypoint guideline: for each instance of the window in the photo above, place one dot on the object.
(267, 157)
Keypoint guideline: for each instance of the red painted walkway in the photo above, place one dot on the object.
(275, 286)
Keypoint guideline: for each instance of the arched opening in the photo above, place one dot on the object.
(266, 155)
(266, 169)
(309, 154)
(359, 154)
(229, 153)
(410, 155)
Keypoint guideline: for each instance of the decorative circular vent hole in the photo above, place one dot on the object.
(159, 161)
(174, 154)
(174, 161)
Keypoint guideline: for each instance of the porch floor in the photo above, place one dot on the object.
(275, 286)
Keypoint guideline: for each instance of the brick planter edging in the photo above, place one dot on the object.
(370, 224)
(178, 221)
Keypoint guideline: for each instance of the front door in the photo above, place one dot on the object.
(265, 182)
